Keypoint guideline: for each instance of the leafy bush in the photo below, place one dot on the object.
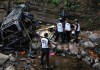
(56, 2)
(71, 5)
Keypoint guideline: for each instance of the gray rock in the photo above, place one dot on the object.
(72, 40)
(12, 58)
(83, 53)
(10, 68)
(73, 49)
(86, 59)
(81, 42)
(3, 58)
(88, 32)
(94, 38)
(88, 44)
(96, 65)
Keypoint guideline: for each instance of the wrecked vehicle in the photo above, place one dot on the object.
(17, 29)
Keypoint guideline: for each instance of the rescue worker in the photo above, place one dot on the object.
(45, 49)
(63, 15)
(67, 30)
(77, 29)
(59, 31)
(73, 32)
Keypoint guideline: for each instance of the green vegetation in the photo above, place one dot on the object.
(86, 9)
(73, 5)
(56, 2)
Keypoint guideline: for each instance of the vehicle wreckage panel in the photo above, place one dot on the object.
(13, 29)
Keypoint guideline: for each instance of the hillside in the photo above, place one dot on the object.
(88, 12)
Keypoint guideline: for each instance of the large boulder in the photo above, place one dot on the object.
(88, 44)
(3, 58)
(96, 65)
(95, 38)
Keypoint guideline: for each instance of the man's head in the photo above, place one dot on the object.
(46, 35)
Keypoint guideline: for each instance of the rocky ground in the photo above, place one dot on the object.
(68, 60)
(66, 63)
(58, 63)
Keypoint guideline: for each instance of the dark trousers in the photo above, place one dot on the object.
(59, 34)
(67, 36)
(45, 53)
(77, 34)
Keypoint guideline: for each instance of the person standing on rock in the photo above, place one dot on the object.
(63, 15)
(67, 31)
(59, 31)
(77, 29)
(45, 43)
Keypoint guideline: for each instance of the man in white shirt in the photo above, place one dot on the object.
(59, 31)
(45, 49)
(67, 31)
(77, 29)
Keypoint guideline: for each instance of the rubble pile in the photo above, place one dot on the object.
(87, 40)
(91, 38)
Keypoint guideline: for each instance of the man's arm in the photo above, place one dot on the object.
(49, 44)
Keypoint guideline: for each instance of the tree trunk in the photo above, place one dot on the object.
(8, 8)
